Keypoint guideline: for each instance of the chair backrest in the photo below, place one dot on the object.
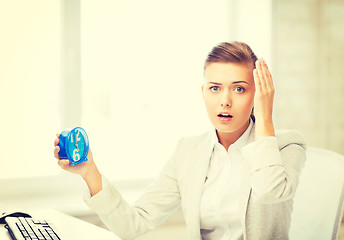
(318, 202)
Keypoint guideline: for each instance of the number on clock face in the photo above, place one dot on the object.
(77, 138)
(77, 145)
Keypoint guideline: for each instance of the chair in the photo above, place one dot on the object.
(318, 202)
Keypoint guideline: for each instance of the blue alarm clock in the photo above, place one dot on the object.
(74, 145)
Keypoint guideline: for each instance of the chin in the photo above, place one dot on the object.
(230, 128)
(226, 130)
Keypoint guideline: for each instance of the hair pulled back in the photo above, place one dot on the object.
(231, 52)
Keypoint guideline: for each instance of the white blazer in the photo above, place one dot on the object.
(272, 164)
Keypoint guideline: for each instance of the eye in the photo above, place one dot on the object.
(239, 89)
(214, 88)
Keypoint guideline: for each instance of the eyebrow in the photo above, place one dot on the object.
(236, 82)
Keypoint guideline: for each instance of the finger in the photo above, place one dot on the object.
(64, 164)
(267, 74)
(56, 152)
(261, 75)
(56, 142)
(256, 81)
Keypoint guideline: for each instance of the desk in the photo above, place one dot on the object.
(70, 227)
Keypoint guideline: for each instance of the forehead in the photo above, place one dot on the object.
(228, 72)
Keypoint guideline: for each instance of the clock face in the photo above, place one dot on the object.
(77, 141)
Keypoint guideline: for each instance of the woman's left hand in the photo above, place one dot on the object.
(263, 99)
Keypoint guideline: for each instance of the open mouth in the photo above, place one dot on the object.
(222, 115)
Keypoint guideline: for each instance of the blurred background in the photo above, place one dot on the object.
(130, 73)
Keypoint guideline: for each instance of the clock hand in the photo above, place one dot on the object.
(76, 142)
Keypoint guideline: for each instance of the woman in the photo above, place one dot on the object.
(235, 182)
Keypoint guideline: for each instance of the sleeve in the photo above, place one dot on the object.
(275, 164)
(158, 202)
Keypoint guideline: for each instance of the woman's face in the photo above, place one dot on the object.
(228, 93)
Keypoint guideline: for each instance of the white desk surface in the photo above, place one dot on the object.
(69, 227)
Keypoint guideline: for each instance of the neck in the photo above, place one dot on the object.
(228, 138)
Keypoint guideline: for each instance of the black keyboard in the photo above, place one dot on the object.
(21, 228)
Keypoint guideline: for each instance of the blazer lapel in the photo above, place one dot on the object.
(245, 191)
(245, 187)
(200, 159)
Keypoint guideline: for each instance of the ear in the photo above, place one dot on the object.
(203, 91)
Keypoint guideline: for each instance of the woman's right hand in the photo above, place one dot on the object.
(81, 169)
(87, 170)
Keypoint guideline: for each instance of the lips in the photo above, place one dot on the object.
(224, 117)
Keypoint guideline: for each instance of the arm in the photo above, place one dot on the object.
(158, 202)
(275, 163)
(93, 179)
(87, 170)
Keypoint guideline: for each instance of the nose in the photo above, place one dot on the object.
(226, 100)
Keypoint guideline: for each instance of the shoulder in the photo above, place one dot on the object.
(188, 150)
(287, 137)
(195, 141)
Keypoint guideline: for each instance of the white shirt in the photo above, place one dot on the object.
(219, 210)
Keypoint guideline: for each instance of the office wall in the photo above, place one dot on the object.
(308, 47)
